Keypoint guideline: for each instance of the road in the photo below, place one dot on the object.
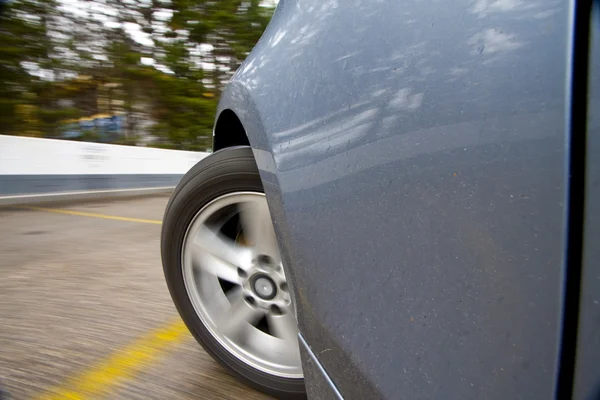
(85, 312)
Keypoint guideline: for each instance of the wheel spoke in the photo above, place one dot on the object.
(218, 255)
(284, 345)
(234, 323)
(258, 227)
(284, 326)
(234, 294)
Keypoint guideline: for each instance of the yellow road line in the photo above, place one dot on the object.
(94, 215)
(123, 364)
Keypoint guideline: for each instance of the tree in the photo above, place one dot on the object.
(24, 45)
(160, 65)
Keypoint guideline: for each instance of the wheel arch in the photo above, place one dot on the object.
(229, 131)
(239, 111)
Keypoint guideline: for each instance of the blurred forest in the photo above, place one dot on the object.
(137, 72)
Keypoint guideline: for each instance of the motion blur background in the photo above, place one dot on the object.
(134, 72)
(84, 309)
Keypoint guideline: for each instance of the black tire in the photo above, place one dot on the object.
(228, 170)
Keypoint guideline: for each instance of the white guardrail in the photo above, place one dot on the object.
(33, 169)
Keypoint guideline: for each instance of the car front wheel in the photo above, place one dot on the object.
(224, 271)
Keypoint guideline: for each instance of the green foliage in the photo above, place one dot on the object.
(23, 40)
(58, 66)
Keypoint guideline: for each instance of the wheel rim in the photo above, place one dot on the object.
(235, 281)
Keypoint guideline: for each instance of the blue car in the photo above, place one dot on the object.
(403, 202)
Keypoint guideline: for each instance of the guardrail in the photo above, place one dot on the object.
(34, 170)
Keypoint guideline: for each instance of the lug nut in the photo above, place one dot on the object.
(265, 259)
(276, 310)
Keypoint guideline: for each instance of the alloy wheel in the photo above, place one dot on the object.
(235, 280)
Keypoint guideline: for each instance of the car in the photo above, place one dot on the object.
(402, 202)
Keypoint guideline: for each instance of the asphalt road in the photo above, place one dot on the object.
(85, 312)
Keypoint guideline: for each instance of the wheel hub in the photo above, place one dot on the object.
(264, 287)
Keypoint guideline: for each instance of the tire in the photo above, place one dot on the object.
(222, 175)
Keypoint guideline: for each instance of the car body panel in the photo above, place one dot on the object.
(413, 155)
(587, 373)
(319, 384)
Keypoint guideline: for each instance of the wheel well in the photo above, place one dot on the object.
(229, 131)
